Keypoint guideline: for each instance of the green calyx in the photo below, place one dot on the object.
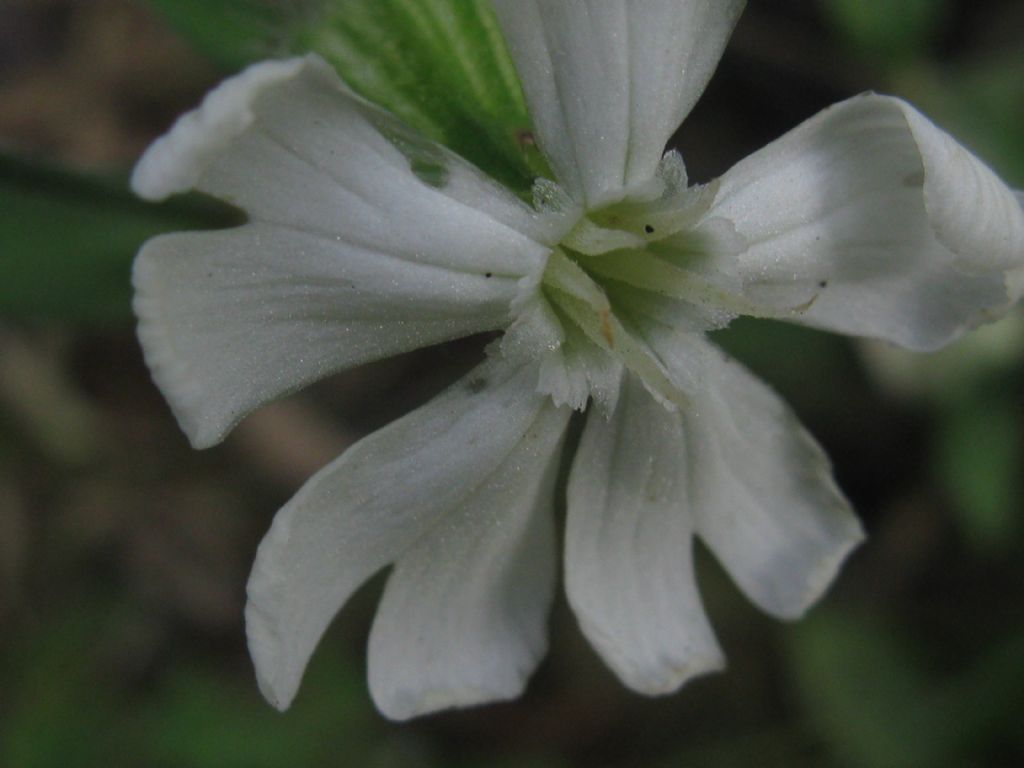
(442, 67)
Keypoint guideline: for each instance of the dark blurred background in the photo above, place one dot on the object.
(124, 554)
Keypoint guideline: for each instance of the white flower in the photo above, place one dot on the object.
(365, 240)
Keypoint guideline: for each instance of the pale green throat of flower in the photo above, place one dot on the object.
(654, 243)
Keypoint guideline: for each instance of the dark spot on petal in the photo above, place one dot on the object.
(524, 138)
(433, 174)
(488, 274)
(822, 283)
(648, 229)
(914, 180)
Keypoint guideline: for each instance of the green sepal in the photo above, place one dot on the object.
(441, 66)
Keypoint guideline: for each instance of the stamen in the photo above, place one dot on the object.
(627, 349)
(565, 275)
(593, 240)
(649, 273)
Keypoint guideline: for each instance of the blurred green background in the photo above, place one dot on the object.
(124, 554)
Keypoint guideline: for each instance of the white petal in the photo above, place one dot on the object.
(609, 81)
(289, 143)
(765, 499)
(463, 617)
(1015, 277)
(349, 256)
(233, 319)
(629, 563)
(373, 504)
(907, 236)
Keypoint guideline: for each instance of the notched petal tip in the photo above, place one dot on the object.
(203, 424)
(169, 371)
(823, 574)
(463, 617)
(403, 705)
(176, 162)
(675, 677)
(278, 693)
(407, 496)
(629, 574)
(971, 211)
(266, 596)
(661, 677)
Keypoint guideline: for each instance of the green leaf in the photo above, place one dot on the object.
(986, 700)
(742, 748)
(979, 456)
(894, 31)
(863, 690)
(58, 712)
(200, 718)
(67, 241)
(866, 691)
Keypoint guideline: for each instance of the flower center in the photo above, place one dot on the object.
(627, 272)
(622, 270)
(606, 279)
